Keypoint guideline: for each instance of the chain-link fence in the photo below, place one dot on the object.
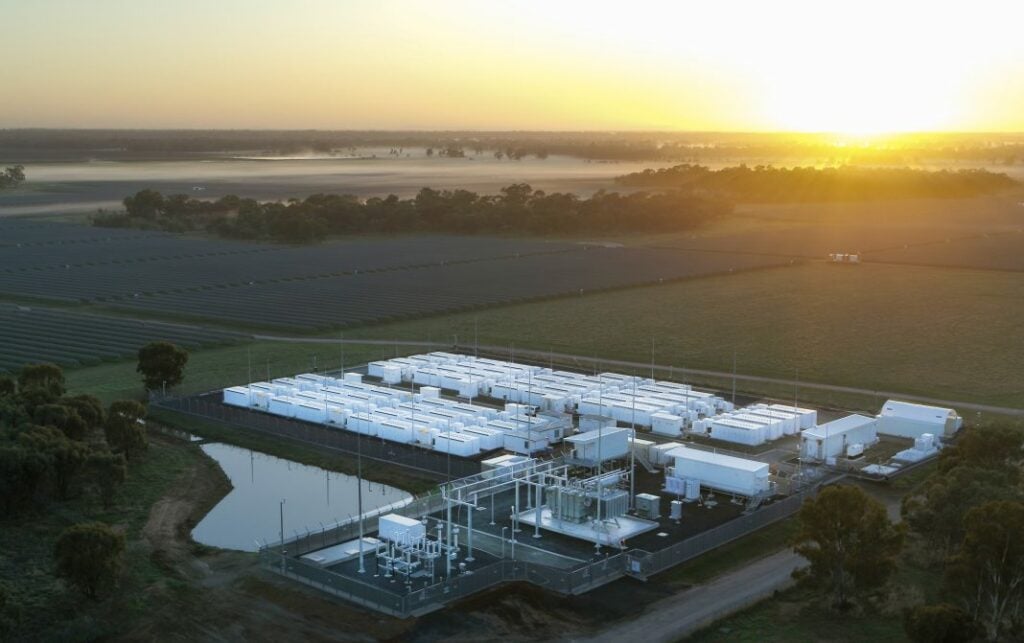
(209, 408)
(644, 564)
(404, 601)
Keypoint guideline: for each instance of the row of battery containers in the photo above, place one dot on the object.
(545, 388)
(468, 376)
(754, 425)
(423, 419)
(667, 410)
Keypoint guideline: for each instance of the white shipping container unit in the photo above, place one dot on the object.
(311, 412)
(831, 439)
(395, 431)
(600, 446)
(666, 424)
(721, 472)
(773, 429)
(283, 406)
(337, 415)
(595, 422)
(909, 420)
(736, 431)
(238, 396)
(808, 417)
(489, 438)
(659, 453)
(524, 443)
(459, 444)
(790, 421)
(640, 447)
(399, 529)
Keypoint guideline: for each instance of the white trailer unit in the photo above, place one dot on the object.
(399, 529)
(666, 424)
(641, 448)
(908, 420)
(720, 472)
(831, 439)
(459, 444)
(238, 396)
(736, 431)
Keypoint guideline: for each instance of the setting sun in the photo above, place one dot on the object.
(791, 65)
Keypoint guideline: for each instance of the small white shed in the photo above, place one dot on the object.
(830, 440)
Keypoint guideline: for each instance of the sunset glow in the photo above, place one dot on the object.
(865, 67)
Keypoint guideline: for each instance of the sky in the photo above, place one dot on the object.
(864, 66)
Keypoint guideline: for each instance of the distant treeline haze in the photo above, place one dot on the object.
(765, 184)
(518, 209)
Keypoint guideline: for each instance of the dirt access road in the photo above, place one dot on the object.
(675, 617)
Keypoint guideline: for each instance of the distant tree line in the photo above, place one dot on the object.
(12, 177)
(766, 184)
(518, 209)
(693, 147)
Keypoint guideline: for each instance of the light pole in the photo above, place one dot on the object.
(281, 507)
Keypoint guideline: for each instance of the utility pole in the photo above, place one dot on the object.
(734, 375)
(281, 507)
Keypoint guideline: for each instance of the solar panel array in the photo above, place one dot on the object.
(70, 338)
(327, 285)
(389, 295)
(126, 267)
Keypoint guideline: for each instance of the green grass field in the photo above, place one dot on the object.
(943, 333)
(218, 367)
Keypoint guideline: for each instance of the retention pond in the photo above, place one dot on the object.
(252, 513)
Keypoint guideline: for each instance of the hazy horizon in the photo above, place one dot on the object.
(796, 66)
